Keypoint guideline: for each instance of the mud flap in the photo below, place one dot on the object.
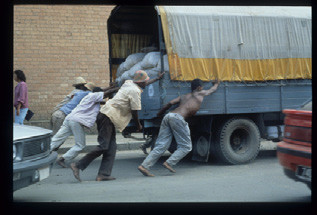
(201, 147)
(201, 137)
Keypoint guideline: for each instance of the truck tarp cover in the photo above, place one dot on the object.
(237, 43)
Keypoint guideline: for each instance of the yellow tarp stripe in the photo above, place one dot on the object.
(187, 69)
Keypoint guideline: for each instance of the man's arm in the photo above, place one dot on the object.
(112, 85)
(211, 90)
(168, 106)
(135, 117)
(107, 93)
(151, 81)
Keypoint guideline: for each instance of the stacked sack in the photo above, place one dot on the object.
(149, 62)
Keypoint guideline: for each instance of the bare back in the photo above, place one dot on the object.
(189, 104)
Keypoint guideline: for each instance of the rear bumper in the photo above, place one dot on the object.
(292, 175)
(294, 157)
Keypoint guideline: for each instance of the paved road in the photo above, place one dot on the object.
(260, 181)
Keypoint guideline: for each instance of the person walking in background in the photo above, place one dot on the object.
(58, 116)
(115, 114)
(84, 115)
(21, 100)
(174, 124)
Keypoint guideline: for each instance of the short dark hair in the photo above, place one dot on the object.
(20, 75)
(196, 83)
(80, 87)
(97, 89)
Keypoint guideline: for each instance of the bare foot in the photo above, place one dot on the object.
(75, 171)
(168, 167)
(144, 171)
(61, 162)
(104, 178)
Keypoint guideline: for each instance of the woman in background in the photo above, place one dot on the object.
(21, 101)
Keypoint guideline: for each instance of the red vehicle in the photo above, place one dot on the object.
(294, 152)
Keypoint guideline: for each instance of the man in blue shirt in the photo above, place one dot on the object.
(68, 107)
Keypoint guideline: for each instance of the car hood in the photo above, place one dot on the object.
(27, 131)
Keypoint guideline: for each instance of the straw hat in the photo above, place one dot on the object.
(140, 76)
(90, 86)
(79, 80)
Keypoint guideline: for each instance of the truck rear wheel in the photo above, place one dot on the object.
(237, 141)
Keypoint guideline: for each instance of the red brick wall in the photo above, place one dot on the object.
(54, 44)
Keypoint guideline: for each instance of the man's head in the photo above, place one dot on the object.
(97, 89)
(90, 86)
(79, 83)
(140, 78)
(197, 84)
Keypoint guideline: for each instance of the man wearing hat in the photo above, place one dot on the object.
(115, 114)
(83, 115)
(58, 116)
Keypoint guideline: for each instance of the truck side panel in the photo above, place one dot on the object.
(294, 95)
(231, 98)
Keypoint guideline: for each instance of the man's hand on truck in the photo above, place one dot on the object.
(151, 81)
(216, 81)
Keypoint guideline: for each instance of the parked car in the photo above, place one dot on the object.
(294, 152)
(32, 159)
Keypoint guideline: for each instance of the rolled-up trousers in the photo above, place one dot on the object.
(107, 147)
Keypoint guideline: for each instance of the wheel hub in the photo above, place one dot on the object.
(236, 140)
(239, 141)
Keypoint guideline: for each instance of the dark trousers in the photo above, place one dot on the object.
(107, 147)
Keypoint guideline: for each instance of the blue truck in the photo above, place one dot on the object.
(261, 55)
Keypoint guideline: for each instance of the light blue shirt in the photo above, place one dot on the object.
(69, 106)
(86, 111)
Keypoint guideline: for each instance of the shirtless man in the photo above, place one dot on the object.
(174, 123)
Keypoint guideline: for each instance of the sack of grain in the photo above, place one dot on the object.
(150, 60)
(120, 70)
(129, 74)
(130, 61)
(151, 63)
(135, 68)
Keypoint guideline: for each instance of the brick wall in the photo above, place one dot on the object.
(54, 44)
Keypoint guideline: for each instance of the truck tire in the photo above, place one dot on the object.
(237, 141)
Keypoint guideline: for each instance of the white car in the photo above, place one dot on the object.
(32, 159)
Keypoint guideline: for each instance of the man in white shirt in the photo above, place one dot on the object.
(58, 116)
(84, 115)
(115, 114)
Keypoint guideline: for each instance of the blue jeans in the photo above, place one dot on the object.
(19, 119)
(172, 124)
